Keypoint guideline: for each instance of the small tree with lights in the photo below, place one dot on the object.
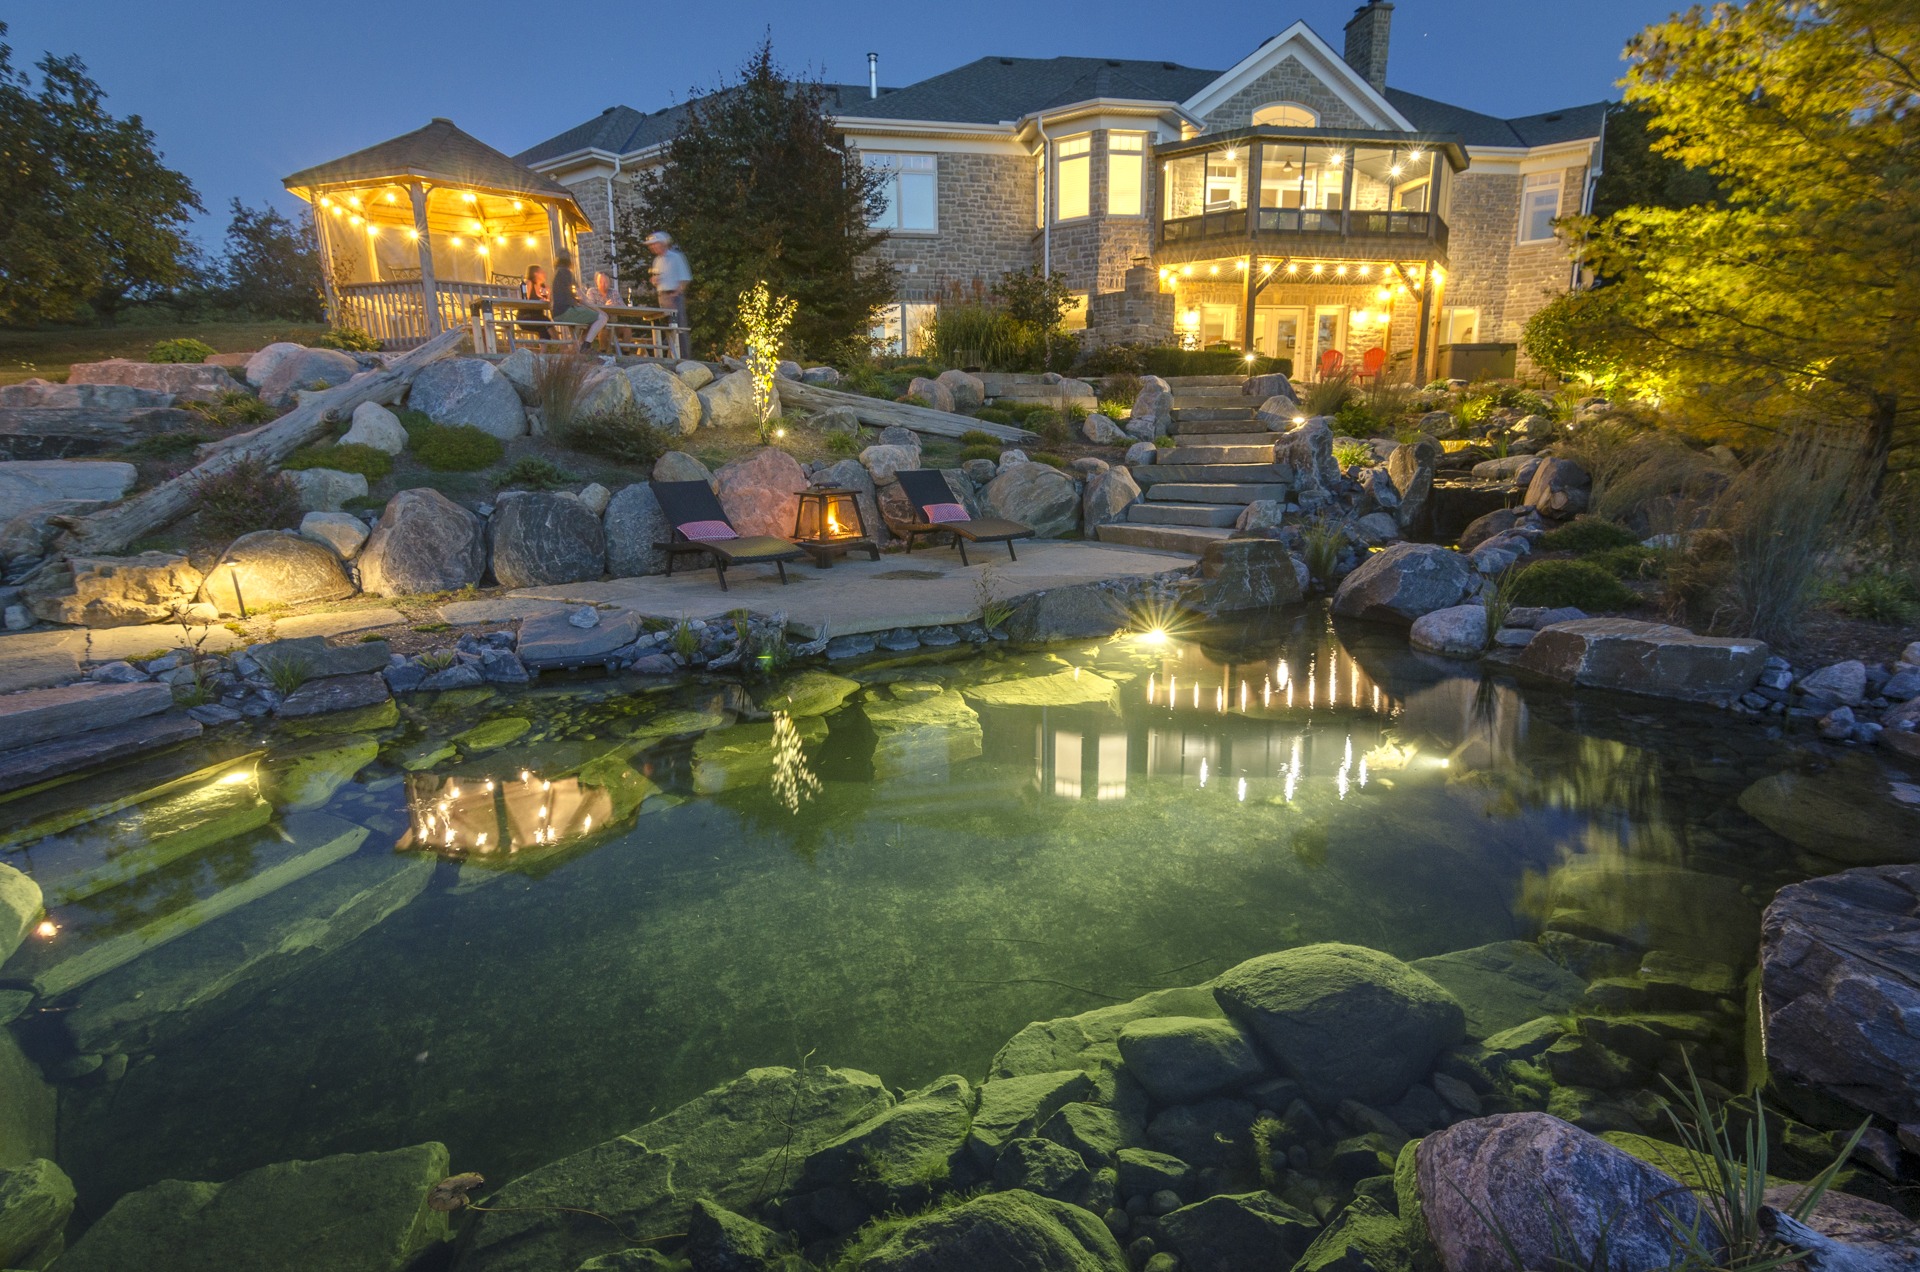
(764, 318)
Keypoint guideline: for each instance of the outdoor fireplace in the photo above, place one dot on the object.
(828, 523)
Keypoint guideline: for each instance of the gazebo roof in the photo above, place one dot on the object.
(441, 154)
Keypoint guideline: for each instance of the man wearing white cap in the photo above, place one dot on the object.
(671, 274)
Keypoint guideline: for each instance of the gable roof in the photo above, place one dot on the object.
(440, 153)
(1576, 123)
(1304, 44)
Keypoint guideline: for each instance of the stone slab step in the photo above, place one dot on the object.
(1156, 513)
(1178, 382)
(1045, 394)
(33, 764)
(1155, 474)
(1192, 540)
(126, 845)
(1240, 493)
(90, 799)
(1212, 414)
(1185, 454)
(1264, 440)
(44, 715)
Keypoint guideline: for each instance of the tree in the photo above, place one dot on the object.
(757, 186)
(1635, 174)
(272, 269)
(93, 216)
(1791, 299)
(1037, 303)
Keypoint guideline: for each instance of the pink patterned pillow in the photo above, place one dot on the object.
(939, 513)
(708, 530)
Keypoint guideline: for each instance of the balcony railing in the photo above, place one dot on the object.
(1313, 230)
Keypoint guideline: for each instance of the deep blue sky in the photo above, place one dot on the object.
(242, 92)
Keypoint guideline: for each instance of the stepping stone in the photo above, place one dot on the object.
(549, 640)
(44, 715)
(33, 764)
(1184, 514)
(335, 693)
(123, 846)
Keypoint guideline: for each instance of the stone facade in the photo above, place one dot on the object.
(1096, 251)
(1506, 280)
(1288, 81)
(984, 205)
(1140, 313)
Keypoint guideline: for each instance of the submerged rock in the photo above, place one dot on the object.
(1845, 813)
(920, 736)
(1503, 984)
(721, 1146)
(36, 1199)
(20, 904)
(742, 756)
(1069, 688)
(1016, 1231)
(1344, 1021)
(898, 1156)
(1234, 1233)
(1183, 1058)
(808, 693)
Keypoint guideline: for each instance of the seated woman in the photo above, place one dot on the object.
(571, 305)
(535, 288)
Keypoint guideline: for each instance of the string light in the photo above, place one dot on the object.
(469, 196)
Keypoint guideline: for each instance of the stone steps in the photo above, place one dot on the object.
(1154, 474)
(1178, 382)
(1192, 540)
(1157, 513)
(1186, 454)
(29, 765)
(1263, 440)
(1237, 493)
(1212, 414)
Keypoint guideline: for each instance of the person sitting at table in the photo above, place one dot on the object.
(609, 291)
(535, 288)
(571, 305)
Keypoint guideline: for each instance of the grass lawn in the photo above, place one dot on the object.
(46, 353)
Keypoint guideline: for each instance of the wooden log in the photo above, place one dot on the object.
(878, 414)
(110, 530)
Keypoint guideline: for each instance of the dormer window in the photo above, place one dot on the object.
(1286, 115)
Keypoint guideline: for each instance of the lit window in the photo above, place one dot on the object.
(900, 327)
(1462, 326)
(1285, 115)
(1074, 318)
(1126, 173)
(1074, 158)
(909, 187)
(1539, 204)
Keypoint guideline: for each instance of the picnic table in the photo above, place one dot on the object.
(502, 324)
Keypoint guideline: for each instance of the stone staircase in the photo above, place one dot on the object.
(1221, 461)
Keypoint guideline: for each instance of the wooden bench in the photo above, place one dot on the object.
(503, 324)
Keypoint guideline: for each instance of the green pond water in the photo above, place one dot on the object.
(289, 957)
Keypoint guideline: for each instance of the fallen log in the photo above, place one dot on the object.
(878, 414)
(111, 530)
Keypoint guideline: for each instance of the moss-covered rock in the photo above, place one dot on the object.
(1364, 1237)
(491, 735)
(1183, 1058)
(1503, 984)
(808, 693)
(1010, 1108)
(901, 1155)
(20, 906)
(306, 777)
(1231, 1233)
(742, 756)
(1094, 1131)
(1647, 905)
(36, 1197)
(678, 724)
(920, 736)
(355, 1212)
(1009, 1232)
(1068, 688)
(1090, 1040)
(1044, 1167)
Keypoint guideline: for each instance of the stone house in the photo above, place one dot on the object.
(1294, 204)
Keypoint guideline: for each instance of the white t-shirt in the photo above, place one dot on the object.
(671, 271)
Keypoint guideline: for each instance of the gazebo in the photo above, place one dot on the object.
(412, 232)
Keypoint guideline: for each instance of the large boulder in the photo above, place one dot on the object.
(1559, 488)
(968, 390)
(1152, 415)
(1241, 575)
(152, 587)
(538, 539)
(851, 474)
(1230, 1233)
(1410, 467)
(186, 381)
(1271, 385)
(723, 1146)
(1035, 495)
(760, 491)
(374, 425)
(469, 391)
(1646, 658)
(607, 391)
(325, 489)
(423, 542)
(884, 462)
(1107, 498)
(271, 568)
(1488, 526)
(36, 1199)
(634, 524)
(286, 369)
(930, 393)
(345, 533)
(1308, 449)
(1528, 1190)
(728, 402)
(1344, 1021)
(356, 1212)
(1458, 631)
(1180, 1059)
(1101, 431)
(1839, 984)
(1015, 1231)
(664, 400)
(32, 483)
(1403, 582)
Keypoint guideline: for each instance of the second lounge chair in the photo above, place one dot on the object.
(700, 525)
(935, 509)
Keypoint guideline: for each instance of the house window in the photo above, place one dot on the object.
(1462, 326)
(900, 327)
(1074, 317)
(1073, 156)
(1219, 324)
(908, 184)
(1539, 204)
(1126, 173)
(1286, 115)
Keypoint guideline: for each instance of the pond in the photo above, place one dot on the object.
(521, 922)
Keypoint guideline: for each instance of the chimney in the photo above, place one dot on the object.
(1367, 41)
(873, 75)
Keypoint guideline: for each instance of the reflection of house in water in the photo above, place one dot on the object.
(484, 817)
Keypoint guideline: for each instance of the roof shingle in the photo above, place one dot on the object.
(441, 153)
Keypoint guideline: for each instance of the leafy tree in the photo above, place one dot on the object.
(1037, 302)
(1635, 174)
(93, 216)
(1791, 299)
(759, 186)
(272, 269)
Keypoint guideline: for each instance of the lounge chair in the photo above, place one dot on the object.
(935, 510)
(700, 525)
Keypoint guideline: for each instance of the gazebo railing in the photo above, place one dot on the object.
(395, 313)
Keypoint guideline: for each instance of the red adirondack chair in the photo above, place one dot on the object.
(1330, 360)
(1371, 362)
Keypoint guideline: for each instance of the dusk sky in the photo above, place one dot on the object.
(240, 92)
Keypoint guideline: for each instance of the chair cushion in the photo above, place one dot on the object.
(709, 530)
(939, 514)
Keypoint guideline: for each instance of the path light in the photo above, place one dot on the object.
(46, 928)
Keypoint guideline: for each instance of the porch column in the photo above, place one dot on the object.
(429, 289)
(1422, 340)
(554, 242)
(1252, 289)
(326, 264)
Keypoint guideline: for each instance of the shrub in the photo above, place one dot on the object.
(996, 415)
(1048, 458)
(1165, 441)
(245, 496)
(530, 472)
(1572, 337)
(185, 349)
(1320, 546)
(844, 443)
(164, 446)
(622, 435)
(1350, 454)
(233, 409)
(1329, 395)
(450, 448)
(1167, 360)
(559, 380)
(981, 335)
(1878, 596)
(1050, 424)
(1587, 534)
(1630, 561)
(350, 339)
(974, 437)
(370, 462)
(1578, 583)
(981, 452)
